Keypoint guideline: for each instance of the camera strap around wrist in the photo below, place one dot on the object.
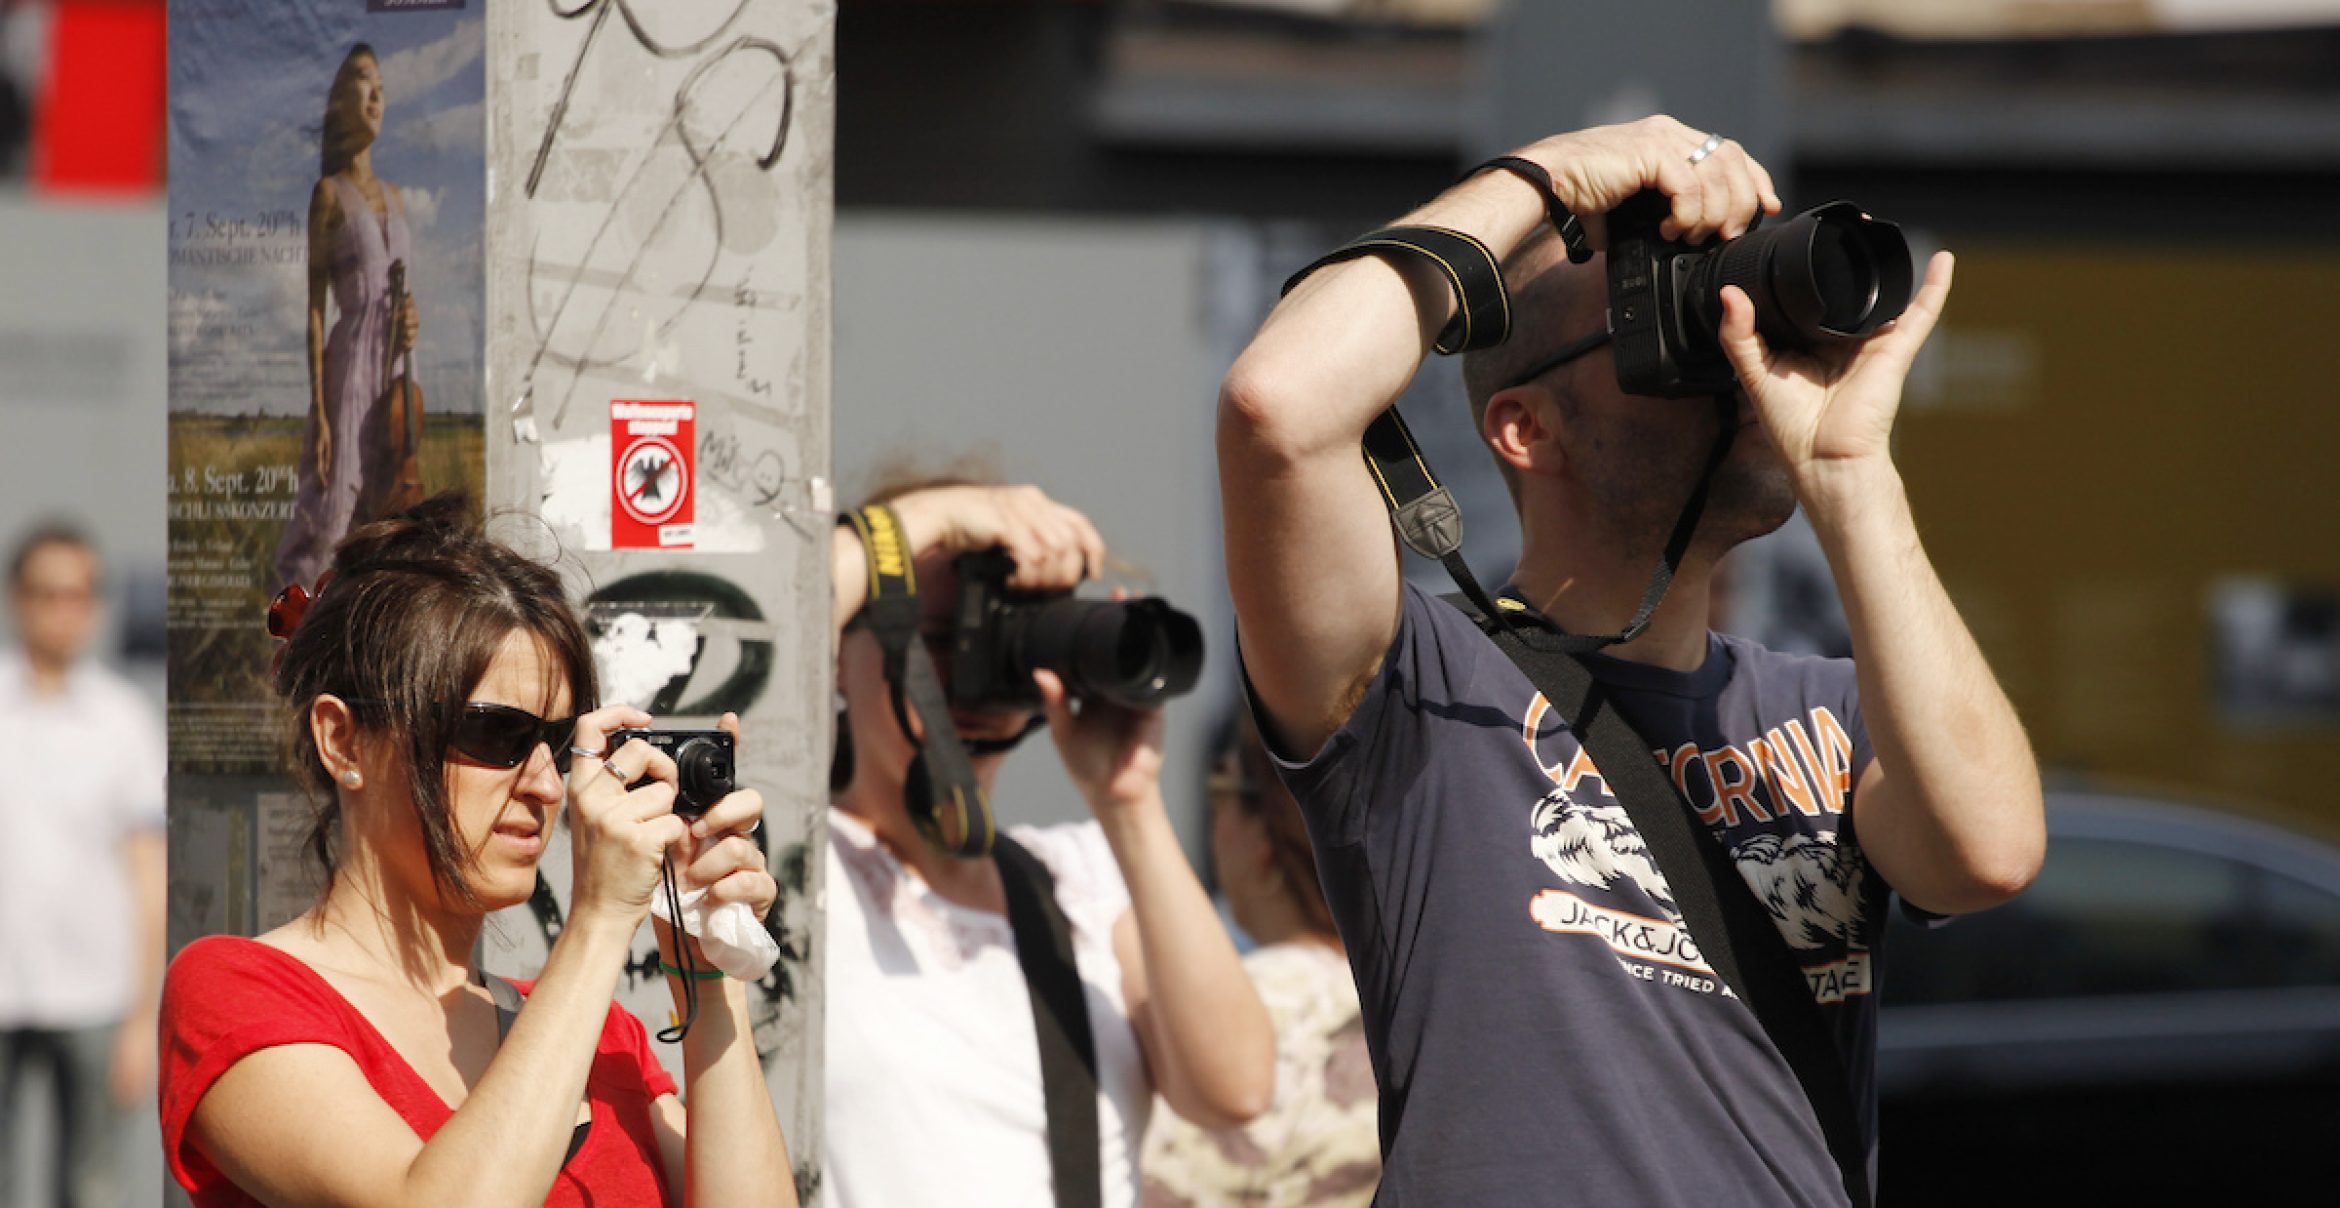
(945, 800)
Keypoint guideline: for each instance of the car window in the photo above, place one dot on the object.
(2301, 930)
(2105, 917)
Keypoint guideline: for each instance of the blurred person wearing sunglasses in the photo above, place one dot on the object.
(1544, 1029)
(1316, 1145)
(81, 874)
(935, 1092)
(439, 686)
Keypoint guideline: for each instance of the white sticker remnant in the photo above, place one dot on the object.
(638, 657)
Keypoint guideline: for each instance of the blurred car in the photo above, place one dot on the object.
(2157, 1020)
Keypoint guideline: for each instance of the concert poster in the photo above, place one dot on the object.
(327, 205)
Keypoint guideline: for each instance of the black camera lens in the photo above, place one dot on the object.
(1134, 652)
(1830, 273)
(702, 775)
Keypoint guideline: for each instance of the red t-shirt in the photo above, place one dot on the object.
(226, 997)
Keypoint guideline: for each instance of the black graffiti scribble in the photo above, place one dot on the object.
(689, 114)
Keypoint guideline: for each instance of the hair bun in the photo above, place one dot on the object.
(420, 534)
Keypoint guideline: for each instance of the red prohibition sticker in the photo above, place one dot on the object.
(651, 473)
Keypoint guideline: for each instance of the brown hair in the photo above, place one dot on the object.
(1242, 774)
(416, 610)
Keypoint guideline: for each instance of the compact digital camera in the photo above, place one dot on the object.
(704, 766)
(1829, 274)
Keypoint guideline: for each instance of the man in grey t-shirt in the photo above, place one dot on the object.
(1541, 1031)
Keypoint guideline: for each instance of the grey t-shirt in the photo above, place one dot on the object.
(1541, 1029)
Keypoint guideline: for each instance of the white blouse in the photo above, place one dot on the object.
(933, 1069)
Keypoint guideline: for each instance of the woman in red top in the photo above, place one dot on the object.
(354, 1055)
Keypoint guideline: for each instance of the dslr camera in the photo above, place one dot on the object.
(703, 765)
(1130, 652)
(1828, 275)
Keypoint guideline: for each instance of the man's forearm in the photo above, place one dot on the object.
(1343, 344)
(1959, 823)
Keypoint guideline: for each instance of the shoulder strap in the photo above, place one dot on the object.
(1060, 1016)
(1731, 929)
(508, 999)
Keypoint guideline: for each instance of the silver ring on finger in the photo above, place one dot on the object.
(612, 769)
(1712, 144)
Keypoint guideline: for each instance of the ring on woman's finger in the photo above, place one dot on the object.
(1712, 144)
(612, 769)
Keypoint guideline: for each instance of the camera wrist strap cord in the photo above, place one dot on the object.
(946, 802)
(682, 956)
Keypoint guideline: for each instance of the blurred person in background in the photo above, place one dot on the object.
(1316, 1146)
(81, 871)
(935, 1091)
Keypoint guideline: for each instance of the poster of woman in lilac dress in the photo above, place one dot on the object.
(357, 234)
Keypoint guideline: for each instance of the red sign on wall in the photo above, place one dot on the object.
(652, 477)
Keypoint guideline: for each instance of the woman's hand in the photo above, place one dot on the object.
(619, 836)
(1054, 546)
(725, 861)
(408, 327)
(1113, 752)
(324, 448)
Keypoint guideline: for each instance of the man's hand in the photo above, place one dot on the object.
(1830, 410)
(1594, 170)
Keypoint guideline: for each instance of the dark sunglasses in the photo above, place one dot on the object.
(1567, 352)
(504, 737)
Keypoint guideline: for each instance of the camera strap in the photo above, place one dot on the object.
(1482, 309)
(1564, 220)
(1060, 1020)
(946, 802)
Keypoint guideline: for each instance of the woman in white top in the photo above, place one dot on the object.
(933, 1085)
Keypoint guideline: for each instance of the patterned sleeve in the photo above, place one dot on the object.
(1317, 1145)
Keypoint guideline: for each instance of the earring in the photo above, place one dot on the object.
(351, 779)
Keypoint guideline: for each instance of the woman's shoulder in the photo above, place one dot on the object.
(218, 980)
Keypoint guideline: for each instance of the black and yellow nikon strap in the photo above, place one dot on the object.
(1482, 310)
(946, 803)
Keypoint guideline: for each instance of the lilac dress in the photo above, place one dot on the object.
(363, 249)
